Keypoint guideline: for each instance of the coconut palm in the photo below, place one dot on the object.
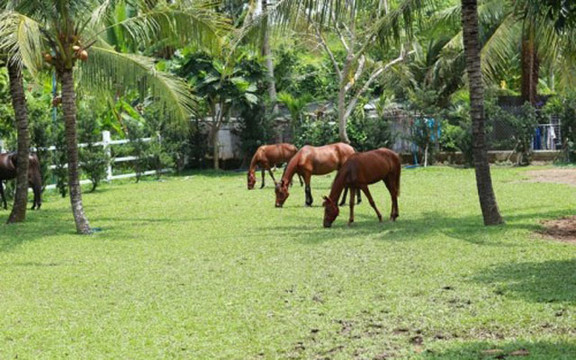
(11, 58)
(527, 30)
(69, 33)
(18, 213)
(486, 195)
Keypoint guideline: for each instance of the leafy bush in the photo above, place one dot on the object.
(457, 132)
(93, 159)
(157, 157)
(565, 109)
(522, 122)
(255, 129)
(59, 155)
(317, 132)
(137, 147)
(301, 76)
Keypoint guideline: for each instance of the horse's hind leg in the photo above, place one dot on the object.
(352, 194)
(2, 195)
(393, 189)
(300, 178)
(37, 189)
(371, 201)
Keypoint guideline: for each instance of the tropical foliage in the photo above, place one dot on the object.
(289, 70)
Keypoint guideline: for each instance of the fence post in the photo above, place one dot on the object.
(1, 146)
(106, 144)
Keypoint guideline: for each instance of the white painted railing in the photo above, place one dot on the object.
(106, 143)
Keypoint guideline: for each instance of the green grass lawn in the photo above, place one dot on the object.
(198, 267)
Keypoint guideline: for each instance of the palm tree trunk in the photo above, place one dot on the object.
(530, 67)
(18, 213)
(486, 195)
(69, 109)
(267, 54)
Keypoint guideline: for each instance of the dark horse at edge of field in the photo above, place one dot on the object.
(8, 163)
(268, 156)
(311, 160)
(358, 172)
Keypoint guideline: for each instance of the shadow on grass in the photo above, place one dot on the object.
(35, 228)
(213, 173)
(508, 350)
(466, 228)
(550, 281)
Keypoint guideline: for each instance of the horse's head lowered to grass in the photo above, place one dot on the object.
(281, 193)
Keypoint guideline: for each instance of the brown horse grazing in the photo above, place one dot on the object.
(8, 171)
(310, 161)
(268, 156)
(358, 172)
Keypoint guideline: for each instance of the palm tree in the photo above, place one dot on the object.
(523, 30)
(486, 195)
(11, 59)
(68, 30)
(18, 213)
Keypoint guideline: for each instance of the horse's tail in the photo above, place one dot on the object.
(35, 177)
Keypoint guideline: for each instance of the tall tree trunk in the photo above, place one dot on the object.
(530, 66)
(267, 54)
(342, 120)
(69, 109)
(216, 150)
(486, 195)
(18, 213)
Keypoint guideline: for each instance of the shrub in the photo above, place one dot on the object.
(565, 109)
(93, 159)
(137, 147)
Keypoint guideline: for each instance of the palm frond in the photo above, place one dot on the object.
(174, 23)
(108, 71)
(21, 40)
(502, 45)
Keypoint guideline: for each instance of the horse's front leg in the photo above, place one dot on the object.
(272, 176)
(2, 195)
(352, 194)
(371, 201)
(308, 190)
(263, 173)
(343, 201)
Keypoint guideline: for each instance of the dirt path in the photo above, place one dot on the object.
(563, 229)
(557, 176)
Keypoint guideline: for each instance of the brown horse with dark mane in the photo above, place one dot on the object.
(8, 171)
(268, 156)
(358, 172)
(311, 160)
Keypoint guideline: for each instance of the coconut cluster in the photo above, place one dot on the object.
(79, 53)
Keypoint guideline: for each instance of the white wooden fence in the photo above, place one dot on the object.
(106, 143)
